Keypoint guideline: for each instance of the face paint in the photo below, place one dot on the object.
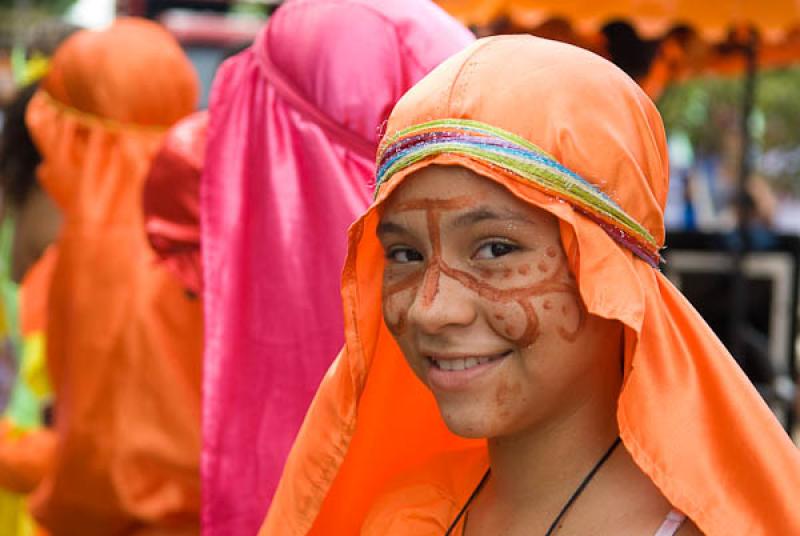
(426, 282)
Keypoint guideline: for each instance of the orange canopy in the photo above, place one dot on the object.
(651, 17)
(679, 55)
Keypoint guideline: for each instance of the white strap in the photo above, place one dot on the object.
(671, 524)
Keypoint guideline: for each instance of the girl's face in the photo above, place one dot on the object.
(478, 295)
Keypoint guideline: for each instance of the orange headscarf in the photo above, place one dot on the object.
(689, 417)
(123, 341)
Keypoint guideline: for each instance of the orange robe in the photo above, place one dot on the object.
(124, 342)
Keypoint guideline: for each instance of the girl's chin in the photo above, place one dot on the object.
(473, 424)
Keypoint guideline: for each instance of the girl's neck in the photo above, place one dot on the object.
(542, 466)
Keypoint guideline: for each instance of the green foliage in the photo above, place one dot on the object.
(53, 7)
(706, 108)
(696, 107)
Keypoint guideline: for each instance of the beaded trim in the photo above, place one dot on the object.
(96, 120)
(499, 148)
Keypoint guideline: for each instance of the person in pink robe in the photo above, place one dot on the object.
(294, 126)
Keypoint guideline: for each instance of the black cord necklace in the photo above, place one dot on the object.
(575, 494)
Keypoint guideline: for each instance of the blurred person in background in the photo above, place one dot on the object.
(36, 218)
(30, 223)
(30, 212)
(715, 189)
(172, 201)
(294, 124)
(123, 340)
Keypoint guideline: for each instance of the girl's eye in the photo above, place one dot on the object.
(404, 255)
(493, 250)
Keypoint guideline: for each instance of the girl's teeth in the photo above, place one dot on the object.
(461, 364)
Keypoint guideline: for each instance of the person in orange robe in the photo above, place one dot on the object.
(510, 340)
(124, 350)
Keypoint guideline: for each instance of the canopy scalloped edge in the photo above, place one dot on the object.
(773, 19)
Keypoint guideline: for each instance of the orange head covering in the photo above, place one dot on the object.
(566, 131)
(172, 200)
(123, 341)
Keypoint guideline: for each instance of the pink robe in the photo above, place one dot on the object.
(289, 165)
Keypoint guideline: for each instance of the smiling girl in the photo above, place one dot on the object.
(515, 363)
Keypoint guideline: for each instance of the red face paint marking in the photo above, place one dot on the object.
(400, 324)
(572, 336)
(505, 393)
(429, 278)
(532, 330)
(430, 286)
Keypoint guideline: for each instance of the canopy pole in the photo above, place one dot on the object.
(749, 48)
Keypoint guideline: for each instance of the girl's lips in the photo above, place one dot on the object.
(455, 374)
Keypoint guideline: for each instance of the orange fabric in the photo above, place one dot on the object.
(33, 293)
(653, 18)
(27, 455)
(124, 342)
(687, 414)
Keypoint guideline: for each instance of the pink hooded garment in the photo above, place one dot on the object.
(294, 125)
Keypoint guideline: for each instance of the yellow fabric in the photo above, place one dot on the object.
(14, 517)
(34, 365)
(687, 414)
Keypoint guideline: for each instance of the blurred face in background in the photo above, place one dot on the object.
(37, 219)
(37, 224)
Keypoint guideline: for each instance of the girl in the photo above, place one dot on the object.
(515, 363)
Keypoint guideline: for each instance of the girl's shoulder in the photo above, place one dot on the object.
(424, 501)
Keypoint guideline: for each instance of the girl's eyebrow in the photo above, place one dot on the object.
(389, 227)
(483, 213)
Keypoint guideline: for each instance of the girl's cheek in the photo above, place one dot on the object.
(564, 312)
(538, 295)
(509, 319)
(395, 309)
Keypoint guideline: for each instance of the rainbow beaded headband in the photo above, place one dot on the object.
(512, 153)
